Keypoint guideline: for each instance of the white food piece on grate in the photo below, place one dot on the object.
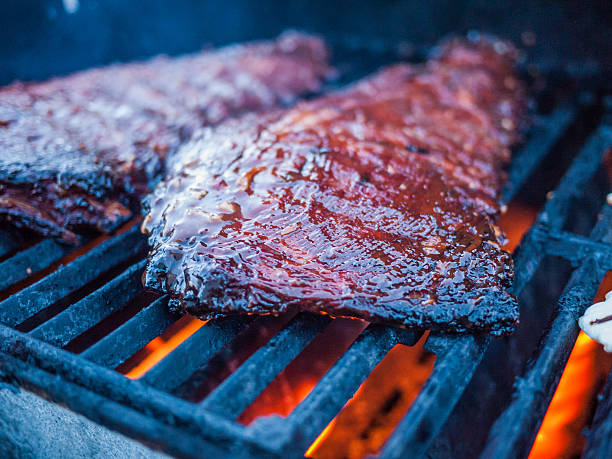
(597, 322)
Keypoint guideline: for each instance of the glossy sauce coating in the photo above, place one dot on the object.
(377, 202)
(78, 152)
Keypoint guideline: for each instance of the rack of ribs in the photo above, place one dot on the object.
(377, 202)
(79, 152)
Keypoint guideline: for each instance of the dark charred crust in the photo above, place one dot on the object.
(57, 209)
(496, 314)
(378, 202)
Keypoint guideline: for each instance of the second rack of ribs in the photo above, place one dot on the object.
(79, 152)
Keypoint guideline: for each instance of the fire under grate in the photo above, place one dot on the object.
(55, 295)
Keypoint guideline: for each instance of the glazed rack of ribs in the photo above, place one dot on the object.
(377, 202)
(71, 317)
(79, 152)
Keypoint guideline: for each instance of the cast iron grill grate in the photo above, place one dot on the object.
(71, 295)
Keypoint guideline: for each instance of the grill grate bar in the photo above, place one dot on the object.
(194, 352)
(69, 278)
(31, 260)
(527, 259)
(530, 252)
(112, 414)
(240, 389)
(116, 347)
(452, 371)
(514, 431)
(599, 438)
(575, 248)
(544, 133)
(573, 182)
(96, 391)
(86, 313)
(339, 384)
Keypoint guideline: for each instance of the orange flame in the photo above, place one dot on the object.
(296, 381)
(161, 346)
(566, 412)
(560, 434)
(368, 419)
(515, 222)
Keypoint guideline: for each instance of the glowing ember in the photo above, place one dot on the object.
(296, 381)
(368, 419)
(161, 346)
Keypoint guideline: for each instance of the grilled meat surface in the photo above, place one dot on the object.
(377, 202)
(77, 153)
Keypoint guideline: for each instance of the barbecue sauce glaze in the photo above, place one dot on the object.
(377, 202)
